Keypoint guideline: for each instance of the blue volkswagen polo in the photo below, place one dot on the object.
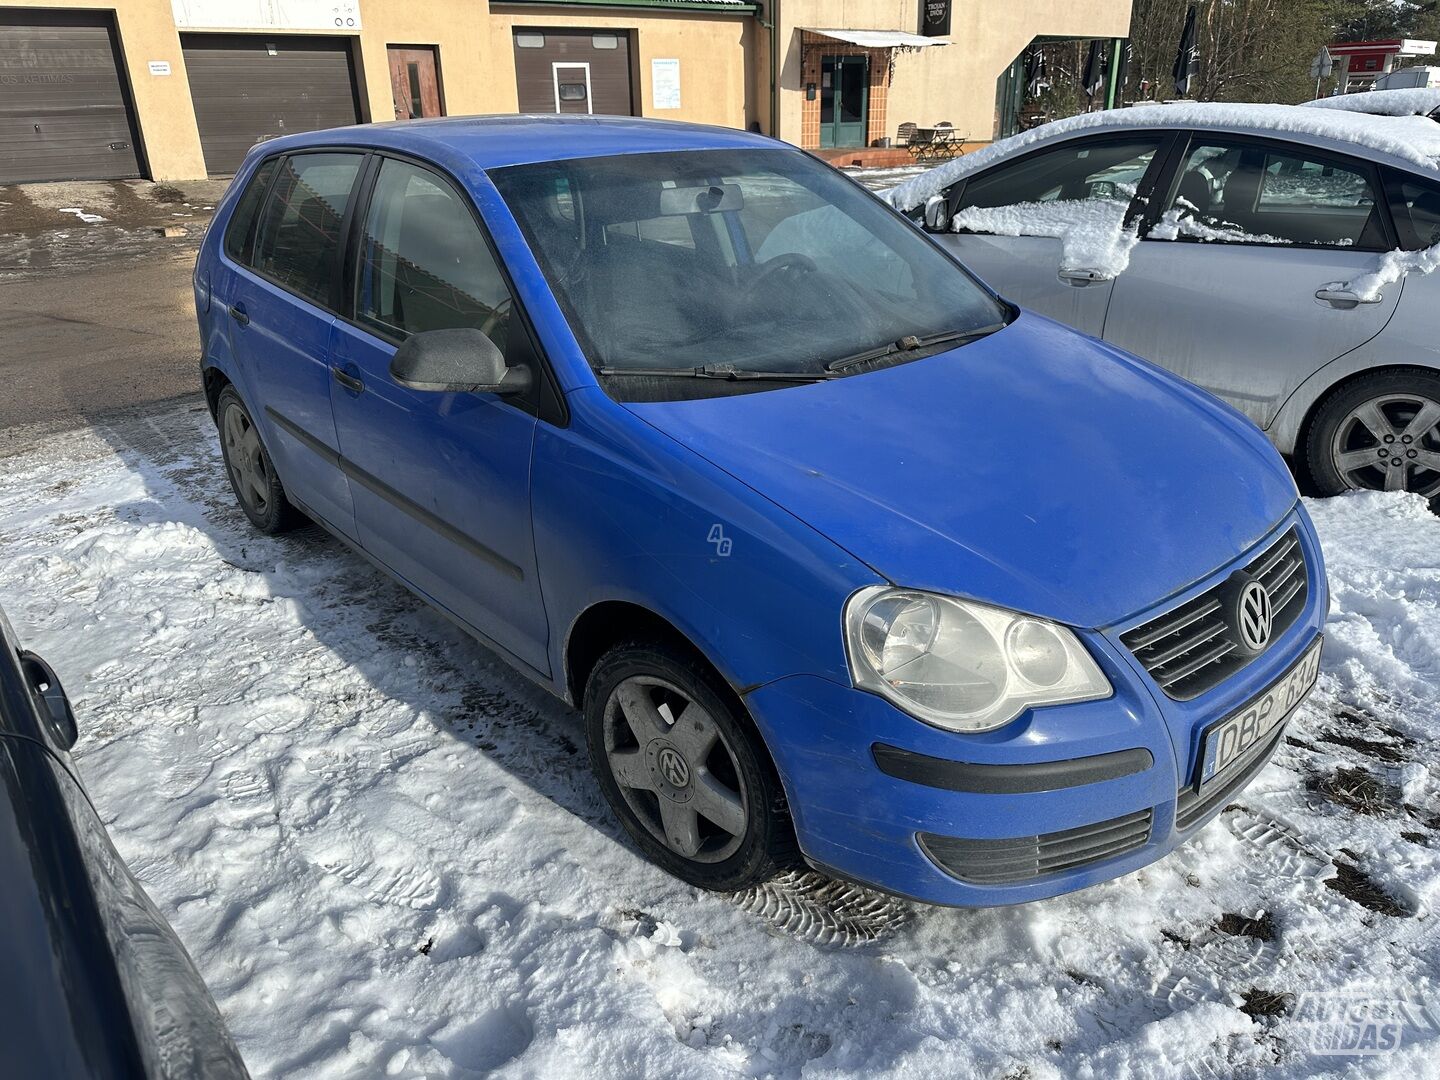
(844, 558)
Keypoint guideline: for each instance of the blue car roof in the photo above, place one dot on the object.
(493, 141)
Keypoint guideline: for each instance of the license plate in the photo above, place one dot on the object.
(1227, 741)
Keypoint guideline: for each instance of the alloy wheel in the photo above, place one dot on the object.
(676, 769)
(249, 467)
(1390, 443)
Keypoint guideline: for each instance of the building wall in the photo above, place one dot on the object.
(954, 82)
(476, 55)
(724, 59)
(957, 82)
(712, 50)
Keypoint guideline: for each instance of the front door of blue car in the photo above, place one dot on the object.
(440, 481)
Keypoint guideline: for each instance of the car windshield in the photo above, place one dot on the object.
(736, 262)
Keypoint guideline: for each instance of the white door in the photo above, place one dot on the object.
(572, 88)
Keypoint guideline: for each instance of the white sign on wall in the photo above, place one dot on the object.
(665, 83)
(159, 67)
(341, 15)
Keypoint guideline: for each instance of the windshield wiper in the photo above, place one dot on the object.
(719, 371)
(910, 344)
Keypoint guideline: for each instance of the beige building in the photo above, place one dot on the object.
(179, 89)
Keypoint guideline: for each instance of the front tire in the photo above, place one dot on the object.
(247, 463)
(684, 769)
(1380, 431)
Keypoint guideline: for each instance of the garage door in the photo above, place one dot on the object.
(573, 71)
(64, 113)
(248, 88)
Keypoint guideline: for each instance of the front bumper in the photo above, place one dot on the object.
(1078, 794)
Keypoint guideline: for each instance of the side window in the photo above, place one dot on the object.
(1235, 192)
(299, 231)
(1416, 207)
(1084, 169)
(238, 230)
(424, 264)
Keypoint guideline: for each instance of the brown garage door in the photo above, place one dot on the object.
(64, 113)
(573, 71)
(250, 87)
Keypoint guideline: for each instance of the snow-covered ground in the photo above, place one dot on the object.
(387, 856)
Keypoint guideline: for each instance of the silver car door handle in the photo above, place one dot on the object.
(1081, 278)
(1344, 298)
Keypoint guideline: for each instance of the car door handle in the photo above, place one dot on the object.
(1080, 278)
(345, 379)
(1345, 298)
(239, 314)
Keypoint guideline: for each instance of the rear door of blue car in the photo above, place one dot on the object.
(440, 481)
(280, 288)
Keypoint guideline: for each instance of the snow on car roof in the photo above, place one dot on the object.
(1407, 101)
(1414, 140)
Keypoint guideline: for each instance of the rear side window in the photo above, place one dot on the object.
(238, 231)
(424, 264)
(298, 238)
(1237, 192)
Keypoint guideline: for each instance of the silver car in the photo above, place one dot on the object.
(1278, 256)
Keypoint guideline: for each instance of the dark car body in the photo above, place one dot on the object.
(95, 982)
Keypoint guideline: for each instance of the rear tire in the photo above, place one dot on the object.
(1380, 432)
(684, 769)
(247, 463)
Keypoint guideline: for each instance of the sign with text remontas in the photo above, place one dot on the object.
(935, 18)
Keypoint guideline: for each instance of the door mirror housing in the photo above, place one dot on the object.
(458, 361)
(937, 214)
(50, 697)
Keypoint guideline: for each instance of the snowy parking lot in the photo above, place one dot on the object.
(388, 857)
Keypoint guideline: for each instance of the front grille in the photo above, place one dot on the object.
(1192, 806)
(1194, 647)
(1025, 858)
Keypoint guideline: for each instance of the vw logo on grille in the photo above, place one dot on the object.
(1254, 617)
(673, 768)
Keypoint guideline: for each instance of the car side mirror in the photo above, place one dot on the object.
(50, 696)
(458, 361)
(937, 214)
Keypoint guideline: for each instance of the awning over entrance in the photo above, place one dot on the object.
(880, 39)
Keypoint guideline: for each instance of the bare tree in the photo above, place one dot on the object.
(1250, 50)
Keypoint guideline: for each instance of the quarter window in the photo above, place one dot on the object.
(298, 239)
(424, 263)
(1416, 206)
(1245, 193)
(238, 231)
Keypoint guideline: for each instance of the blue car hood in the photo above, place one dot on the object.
(1035, 469)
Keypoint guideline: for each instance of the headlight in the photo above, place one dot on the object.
(961, 665)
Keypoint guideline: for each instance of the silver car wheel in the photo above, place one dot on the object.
(249, 469)
(1390, 443)
(675, 769)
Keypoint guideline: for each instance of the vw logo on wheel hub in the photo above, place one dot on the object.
(673, 768)
(1254, 617)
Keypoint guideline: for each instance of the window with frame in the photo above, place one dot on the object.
(238, 231)
(1416, 206)
(1238, 192)
(424, 263)
(297, 240)
(1081, 170)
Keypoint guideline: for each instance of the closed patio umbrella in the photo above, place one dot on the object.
(1187, 60)
(1034, 70)
(1092, 79)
